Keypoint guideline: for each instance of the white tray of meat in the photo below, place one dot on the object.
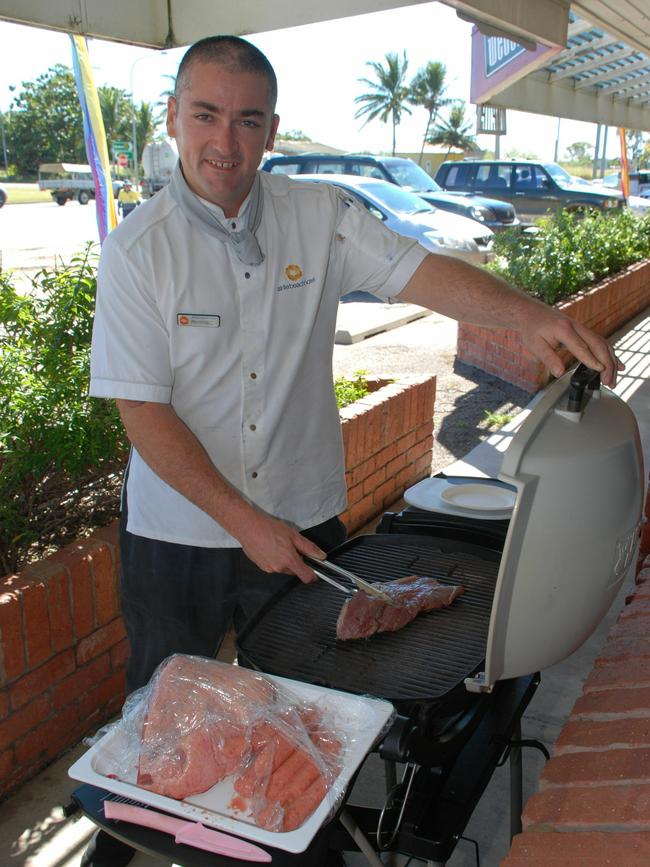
(273, 786)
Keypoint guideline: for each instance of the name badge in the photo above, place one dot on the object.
(202, 320)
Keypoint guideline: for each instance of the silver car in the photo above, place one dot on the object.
(406, 213)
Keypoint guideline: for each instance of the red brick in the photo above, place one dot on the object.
(634, 609)
(36, 621)
(610, 703)
(610, 766)
(619, 674)
(109, 690)
(22, 721)
(596, 735)
(7, 763)
(583, 849)
(37, 682)
(106, 599)
(77, 566)
(634, 647)
(4, 703)
(100, 641)
(12, 644)
(49, 738)
(119, 655)
(373, 481)
(59, 610)
(80, 681)
(599, 808)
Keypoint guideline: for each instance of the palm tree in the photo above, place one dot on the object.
(388, 94)
(455, 132)
(145, 124)
(116, 113)
(428, 90)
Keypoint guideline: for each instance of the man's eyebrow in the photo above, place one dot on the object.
(245, 112)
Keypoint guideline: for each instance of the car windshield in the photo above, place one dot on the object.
(559, 175)
(410, 175)
(397, 199)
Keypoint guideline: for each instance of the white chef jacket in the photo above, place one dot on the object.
(243, 353)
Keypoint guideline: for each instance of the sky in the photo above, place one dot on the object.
(318, 68)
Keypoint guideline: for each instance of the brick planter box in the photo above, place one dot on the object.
(63, 649)
(605, 307)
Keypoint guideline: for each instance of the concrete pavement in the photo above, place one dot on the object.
(36, 834)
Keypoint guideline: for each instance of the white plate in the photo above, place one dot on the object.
(361, 718)
(427, 495)
(483, 497)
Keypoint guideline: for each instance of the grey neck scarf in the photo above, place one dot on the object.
(199, 215)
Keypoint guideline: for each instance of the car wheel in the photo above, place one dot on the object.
(3, 197)
(83, 197)
(61, 200)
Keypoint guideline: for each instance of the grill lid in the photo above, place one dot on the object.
(578, 468)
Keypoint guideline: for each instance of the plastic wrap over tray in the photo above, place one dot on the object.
(272, 754)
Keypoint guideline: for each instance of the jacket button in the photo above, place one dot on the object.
(253, 375)
(253, 427)
(254, 475)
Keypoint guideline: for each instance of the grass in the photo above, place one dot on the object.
(497, 419)
(25, 194)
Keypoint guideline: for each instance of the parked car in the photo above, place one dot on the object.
(410, 215)
(3, 196)
(405, 173)
(534, 188)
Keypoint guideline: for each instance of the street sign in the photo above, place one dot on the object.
(122, 147)
(122, 160)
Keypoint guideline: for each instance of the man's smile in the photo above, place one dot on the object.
(222, 164)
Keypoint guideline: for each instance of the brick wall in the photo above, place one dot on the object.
(388, 437)
(63, 649)
(605, 308)
(592, 806)
(62, 654)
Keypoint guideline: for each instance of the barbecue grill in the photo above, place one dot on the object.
(536, 585)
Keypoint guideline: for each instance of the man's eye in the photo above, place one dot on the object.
(203, 116)
(251, 123)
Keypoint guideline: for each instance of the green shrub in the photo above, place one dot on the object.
(570, 251)
(349, 390)
(58, 447)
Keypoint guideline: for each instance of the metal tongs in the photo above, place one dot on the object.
(359, 583)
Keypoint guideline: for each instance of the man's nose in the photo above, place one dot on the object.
(224, 139)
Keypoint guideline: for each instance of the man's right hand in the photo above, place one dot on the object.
(276, 547)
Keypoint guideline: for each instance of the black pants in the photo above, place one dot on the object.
(184, 599)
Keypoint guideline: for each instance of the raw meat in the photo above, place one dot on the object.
(196, 727)
(363, 615)
(285, 781)
(206, 721)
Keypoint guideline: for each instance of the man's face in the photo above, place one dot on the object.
(222, 122)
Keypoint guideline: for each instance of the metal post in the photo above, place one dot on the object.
(4, 142)
(516, 784)
(557, 142)
(134, 144)
(603, 162)
(594, 168)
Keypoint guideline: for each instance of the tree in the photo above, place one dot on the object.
(454, 132)
(428, 90)
(116, 113)
(580, 152)
(45, 122)
(388, 94)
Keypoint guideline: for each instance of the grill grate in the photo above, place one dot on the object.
(294, 635)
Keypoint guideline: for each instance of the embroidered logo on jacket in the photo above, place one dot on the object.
(294, 274)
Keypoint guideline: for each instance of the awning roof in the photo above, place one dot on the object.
(603, 74)
(169, 23)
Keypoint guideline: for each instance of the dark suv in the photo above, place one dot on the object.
(533, 188)
(405, 173)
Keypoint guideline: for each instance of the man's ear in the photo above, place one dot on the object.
(171, 116)
(270, 142)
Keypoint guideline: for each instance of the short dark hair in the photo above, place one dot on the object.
(233, 52)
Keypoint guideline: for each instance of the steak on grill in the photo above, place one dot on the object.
(362, 615)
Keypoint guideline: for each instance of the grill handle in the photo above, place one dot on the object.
(583, 377)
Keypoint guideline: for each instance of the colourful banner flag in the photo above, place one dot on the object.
(94, 136)
(625, 168)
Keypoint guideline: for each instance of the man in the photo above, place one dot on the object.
(127, 199)
(215, 320)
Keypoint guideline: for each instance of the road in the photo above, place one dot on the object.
(37, 235)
